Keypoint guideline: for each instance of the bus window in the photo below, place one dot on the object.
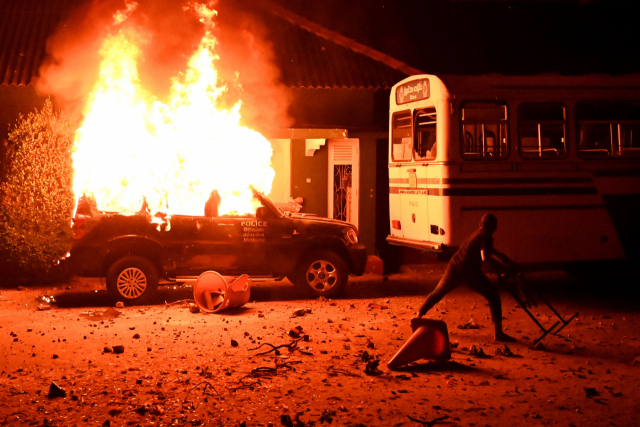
(424, 140)
(401, 136)
(608, 129)
(484, 130)
(542, 130)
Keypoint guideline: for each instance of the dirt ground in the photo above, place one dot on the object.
(181, 368)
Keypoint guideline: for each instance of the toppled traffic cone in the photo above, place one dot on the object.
(213, 292)
(430, 340)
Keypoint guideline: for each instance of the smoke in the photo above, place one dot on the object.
(168, 33)
(247, 60)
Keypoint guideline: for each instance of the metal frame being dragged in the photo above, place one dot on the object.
(522, 294)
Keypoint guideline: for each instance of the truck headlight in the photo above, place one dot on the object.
(351, 236)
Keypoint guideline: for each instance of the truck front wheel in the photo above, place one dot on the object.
(132, 279)
(324, 272)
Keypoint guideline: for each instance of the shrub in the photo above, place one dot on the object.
(36, 200)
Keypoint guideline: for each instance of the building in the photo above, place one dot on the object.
(333, 155)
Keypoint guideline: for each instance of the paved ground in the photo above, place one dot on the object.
(180, 368)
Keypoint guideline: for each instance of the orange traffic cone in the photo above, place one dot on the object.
(430, 340)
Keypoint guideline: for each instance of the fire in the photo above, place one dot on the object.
(132, 148)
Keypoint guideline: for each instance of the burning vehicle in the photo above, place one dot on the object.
(134, 254)
(146, 163)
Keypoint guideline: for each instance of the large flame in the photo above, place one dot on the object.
(131, 147)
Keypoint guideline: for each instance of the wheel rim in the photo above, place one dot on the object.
(322, 276)
(131, 283)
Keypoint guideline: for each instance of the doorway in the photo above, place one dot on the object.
(344, 179)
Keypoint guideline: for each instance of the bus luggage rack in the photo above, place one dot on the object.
(522, 294)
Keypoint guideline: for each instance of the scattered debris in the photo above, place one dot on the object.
(334, 372)
(234, 343)
(119, 304)
(182, 302)
(43, 307)
(55, 391)
(291, 346)
(118, 349)
(136, 336)
(431, 423)
(477, 351)
(265, 371)
(327, 415)
(107, 313)
(372, 367)
(108, 349)
(471, 324)
(591, 391)
(295, 332)
(206, 384)
(46, 299)
(300, 312)
(193, 308)
(373, 306)
(505, 351)
(365, 357)
(539, 346)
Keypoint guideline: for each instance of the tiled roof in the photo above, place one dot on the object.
(311, 56)
(308, 55)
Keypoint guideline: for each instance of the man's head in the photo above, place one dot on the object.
(489, 223)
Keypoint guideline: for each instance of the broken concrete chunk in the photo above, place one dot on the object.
(299, 312)
(118, 349)
(477, 351)
(471, 324)
(505, 351)
(55, 391)
(108, 349)
(119, 304)
(372, 367)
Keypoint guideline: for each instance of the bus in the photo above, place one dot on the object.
(555, 158)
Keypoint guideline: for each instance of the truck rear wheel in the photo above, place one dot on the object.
(132, 279)
(324, 272)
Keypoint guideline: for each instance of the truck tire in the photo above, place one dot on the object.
(132, 279)
(323, 272)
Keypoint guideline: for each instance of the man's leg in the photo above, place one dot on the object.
(481, 284)
(447, 283)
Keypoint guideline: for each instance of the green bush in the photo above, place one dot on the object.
(36, 199)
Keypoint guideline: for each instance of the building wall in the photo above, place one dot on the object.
(364, 114)
(309, 177)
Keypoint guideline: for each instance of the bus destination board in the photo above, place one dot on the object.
(412, 91)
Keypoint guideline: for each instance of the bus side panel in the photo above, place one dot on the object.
(544, 235)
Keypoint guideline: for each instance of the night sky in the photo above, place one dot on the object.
(476, 37)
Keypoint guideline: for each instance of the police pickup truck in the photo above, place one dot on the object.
(134, 254)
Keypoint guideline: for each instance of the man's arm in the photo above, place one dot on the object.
(498, 261)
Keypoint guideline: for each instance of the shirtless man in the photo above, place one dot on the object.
(465, 268)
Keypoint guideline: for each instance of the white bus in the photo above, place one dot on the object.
(555, 158)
